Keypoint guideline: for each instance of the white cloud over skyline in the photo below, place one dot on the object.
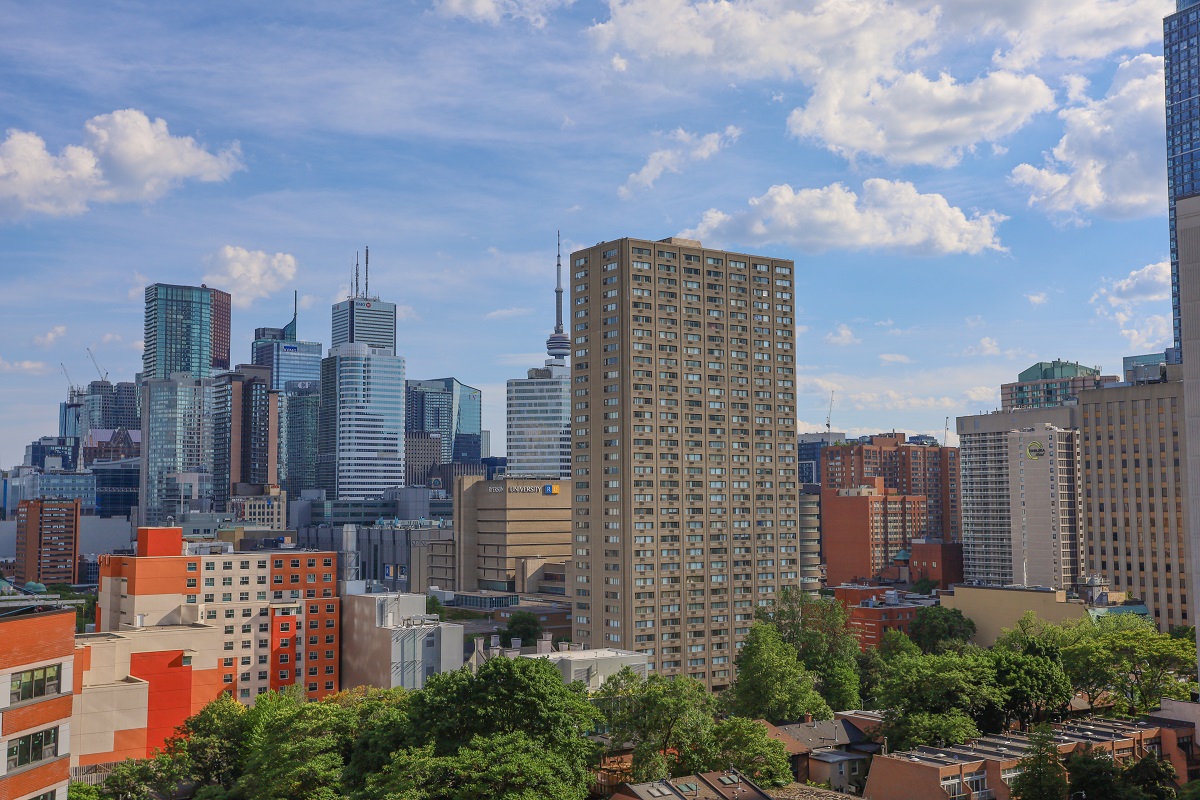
(250, 275)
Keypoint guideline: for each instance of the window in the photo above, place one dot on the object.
(33, 683)
(32, 748)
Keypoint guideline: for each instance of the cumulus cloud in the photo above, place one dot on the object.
(249, 275)
(1123, 301)
(34, 367)
(915, 120)
(987, 347)
(890, 215)
(125, 158)
(843, 336)
(1110, 161)
(109, 338)
(494, 11)
(406, 314)
(505, 313)
(894, 358)
(520, 359)
(51, 336)
(981, 394)
(689, 147)
(1036, 298)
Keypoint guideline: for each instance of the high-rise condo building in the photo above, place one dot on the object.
(187, 330)
(1051, 383)
(450, 409)
(245, 431)
(178, 447)
(360, 428)
(47, 541)
(685, 506)
(1043, 490)
(539, 409)
(299, 409)
(866, 528)
(1183, 135)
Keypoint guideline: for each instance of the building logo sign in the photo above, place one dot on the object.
(550, 488)
(291, 348)
(1035, 450)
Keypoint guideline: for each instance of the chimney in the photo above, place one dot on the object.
(495, 640)
(516, 643)
(544, 645)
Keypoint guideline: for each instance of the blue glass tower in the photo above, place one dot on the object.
(1181, 49)
(289, 359)
(450, 409)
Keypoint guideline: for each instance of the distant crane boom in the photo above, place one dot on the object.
(829, 421)
(103, 375)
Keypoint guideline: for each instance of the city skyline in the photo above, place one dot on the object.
(275, 190)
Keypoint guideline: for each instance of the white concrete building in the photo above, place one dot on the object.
(388, 641)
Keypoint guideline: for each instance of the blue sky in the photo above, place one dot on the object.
(965, 189)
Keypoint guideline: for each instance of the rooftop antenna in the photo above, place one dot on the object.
(367, 271)
(946, 433)
(295, 304)
(356, 294)
(829, 421)
(558, 291)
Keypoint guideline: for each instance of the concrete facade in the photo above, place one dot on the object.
(512, 535)
(1043, 491)
(994, 608)
(389, 642)
(1187, 218)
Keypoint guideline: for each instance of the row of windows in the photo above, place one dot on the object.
(31, 683)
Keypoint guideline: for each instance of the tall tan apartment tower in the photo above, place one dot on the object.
(683, 448)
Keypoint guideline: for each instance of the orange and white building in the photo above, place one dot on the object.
(35, 715)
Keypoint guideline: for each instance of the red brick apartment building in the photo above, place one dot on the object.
(47, 541)
(864, 529)
(36, 664)
(875, 610)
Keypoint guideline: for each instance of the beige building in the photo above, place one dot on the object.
(259, 506)
(1043, 479)
(684, 448)
(389, 642)
(1132, 499)
(511, 535)
(1187, 215)
(994, 608)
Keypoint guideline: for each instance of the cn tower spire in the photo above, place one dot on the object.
(558, 345)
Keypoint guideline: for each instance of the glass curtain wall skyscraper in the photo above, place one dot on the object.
(1181, 31)
(288, 358)
(177, 447)
(452, 410)
(186, 330)
(539, 409)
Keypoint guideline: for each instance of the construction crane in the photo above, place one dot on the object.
(103, 375)
(829, 421)
(74, 391)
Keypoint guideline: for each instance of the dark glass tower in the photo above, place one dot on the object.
(1181, 32)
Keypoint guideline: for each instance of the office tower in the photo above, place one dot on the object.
(363, 317)
(54, 453)
(70, 414)
(422, 452)
(910, 469)
(187, 330)
(1183, 112)
(485, 444)
(808, 452)
(117, 487)
(245, 431)
(1051, 383)
(511, 535)
(539, 409)
(1043, 490)
(987, 530)
(108, 406)
(288, 358)
(450, 409)
(866, 529)
(684, 449)
(177, 447)
(299, 409)
(47, 541)
(36, 663)
(1133, 492)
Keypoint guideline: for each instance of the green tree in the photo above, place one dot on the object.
(1093, 773)
(896, 643)
(819, 628)
(870, 674)
(1090, 666)
(294, 748)
(142, 779)
(214, 739)
(508, 766)
(771, 684)
(523, 625)
(1042, 776)
(940, 699)
(1153, 778)
(1190, 791)
(434, 606)
(1150, 666)
(925, 586)
(1035, 685)
(669, 721)
(746, 746)
(381, 728)
(82, 791)
(936, 628)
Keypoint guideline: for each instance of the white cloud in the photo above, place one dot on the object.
(137, 292)
(34, 367)
(915, 120)
(109, 338)
(1110, 160)
(894, 358)
(691, 147)
(505, 313)
(308, 300)
(890, 215)
(49, 337)
(619, 64)
(406, 313)
(139, 345)
(981, 394)
(249, 275)
(842, 337)
(493, 11)
(1037, 298)
(987, 347)
(974, 321)
(885, 323)
(1123, 300)
(126, 157)
(521, 359)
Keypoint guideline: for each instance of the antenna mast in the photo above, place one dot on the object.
(356, 294)
(367, 271)
(558, 326)
(946, 433)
